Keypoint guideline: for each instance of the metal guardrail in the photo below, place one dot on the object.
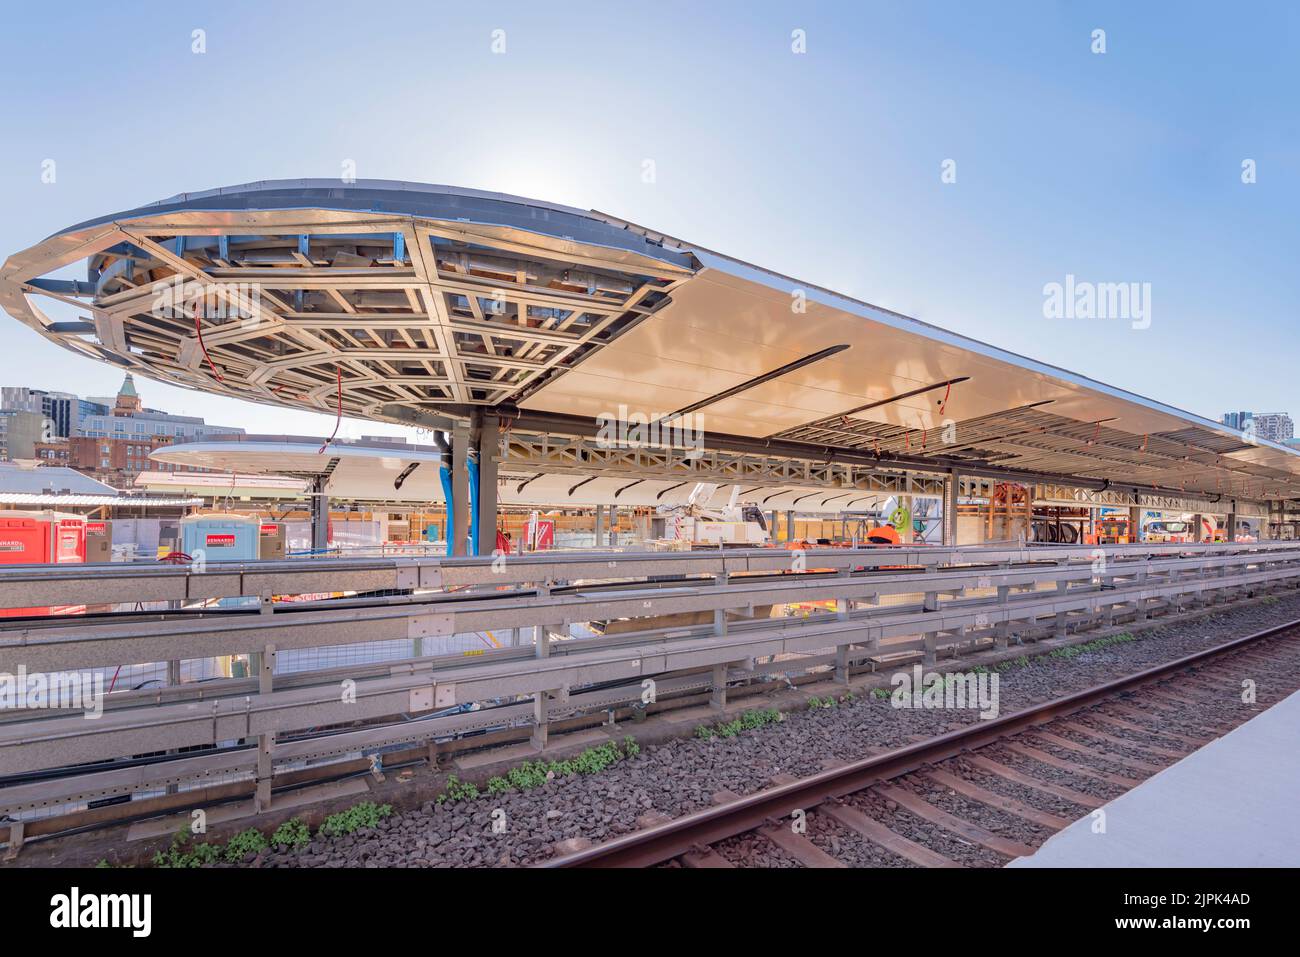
(964, 596)
(43, 585)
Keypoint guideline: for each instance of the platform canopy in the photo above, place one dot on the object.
(411, 303)
(380, 472)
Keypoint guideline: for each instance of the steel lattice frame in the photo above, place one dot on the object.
(300, 305)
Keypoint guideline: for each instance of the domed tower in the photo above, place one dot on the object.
(128, 400)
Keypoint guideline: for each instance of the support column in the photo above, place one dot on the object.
(489, 452)
(460, 490)
(789, 525)
(1197, 529)
(320, 515)
(1231, 529)
(600, 526)
(1135, 523)
(950, 485)
(613, 522)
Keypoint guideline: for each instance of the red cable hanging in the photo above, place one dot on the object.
(198, 328)
(944, 404)
(338, 377)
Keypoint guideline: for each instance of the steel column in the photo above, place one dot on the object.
(950, 486)
(489, 450)
(320, 515)
(460, 490)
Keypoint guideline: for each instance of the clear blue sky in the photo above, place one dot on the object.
(825, 166)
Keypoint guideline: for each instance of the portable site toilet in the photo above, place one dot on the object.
(99, 541)
(42, 538)
(220, 537)
(272, 540)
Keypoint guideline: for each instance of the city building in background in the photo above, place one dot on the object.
(1235, 420)
(1273, 426)
(63, 408)
(20, 432)
(125, 417)
(109, 438)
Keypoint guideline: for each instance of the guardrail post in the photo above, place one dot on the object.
(265, 771)
(931, 643)
(540, 720)
(541, 636)
(718, 698)
(842, 663)
(720, 614)
(265, 741)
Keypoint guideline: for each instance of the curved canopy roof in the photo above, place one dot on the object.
(394, 300)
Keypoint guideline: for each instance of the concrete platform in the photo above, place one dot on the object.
(1230, 804)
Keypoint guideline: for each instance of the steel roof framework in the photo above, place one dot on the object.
(399, 302)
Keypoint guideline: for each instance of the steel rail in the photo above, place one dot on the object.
(654, 845)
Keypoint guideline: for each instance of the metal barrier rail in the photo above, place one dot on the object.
(54, 646)
(24, 586)
(1129, 583)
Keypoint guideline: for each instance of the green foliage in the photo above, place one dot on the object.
(365, 814)
(245, 842)
(292, 833)
(749, 721)
(1074, 651)
(458, 790)
(533, 774)
(177, 856)
(881, 693)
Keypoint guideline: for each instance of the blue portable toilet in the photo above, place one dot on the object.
(222, 537)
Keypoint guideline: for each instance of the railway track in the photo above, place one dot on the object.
(982, 795)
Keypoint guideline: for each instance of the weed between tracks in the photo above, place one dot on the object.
(748, 721)
(533, 774)
(292, 833)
